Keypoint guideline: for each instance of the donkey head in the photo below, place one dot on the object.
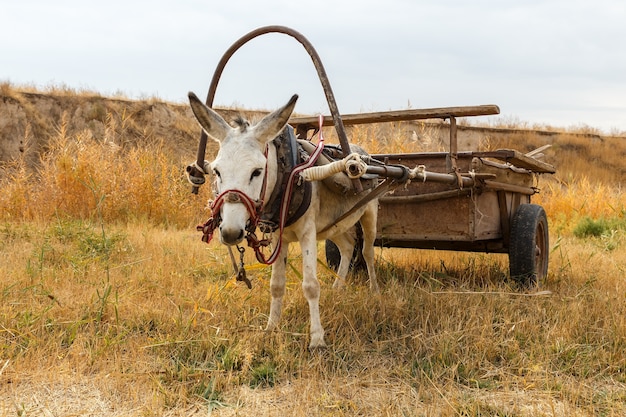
(240, 163)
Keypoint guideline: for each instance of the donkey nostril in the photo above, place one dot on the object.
(231, 236)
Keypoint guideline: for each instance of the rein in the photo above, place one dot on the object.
(255, 209)
(253, 241)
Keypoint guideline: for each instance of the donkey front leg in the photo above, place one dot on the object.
(311, 288)
(277, 287)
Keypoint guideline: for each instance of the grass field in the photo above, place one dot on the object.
(110, 305)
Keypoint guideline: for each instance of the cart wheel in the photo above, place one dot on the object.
(529, 245)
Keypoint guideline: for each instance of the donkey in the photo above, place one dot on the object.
(245, 170)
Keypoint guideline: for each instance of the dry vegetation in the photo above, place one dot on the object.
(111, 305)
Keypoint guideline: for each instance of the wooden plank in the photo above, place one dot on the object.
(496, 185)
(516, 158)
(520, 160)
(420, 198)
(400, 115)
(505, 217)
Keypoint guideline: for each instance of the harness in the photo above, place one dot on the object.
(288, 202)
(289, 154)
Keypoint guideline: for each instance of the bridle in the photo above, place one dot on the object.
(255, 208)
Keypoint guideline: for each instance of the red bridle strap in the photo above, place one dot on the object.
(229, 196)
(253, 242)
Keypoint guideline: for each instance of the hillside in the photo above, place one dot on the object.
(29, 119)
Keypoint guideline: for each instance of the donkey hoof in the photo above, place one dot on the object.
(317, 343)
(318, 347)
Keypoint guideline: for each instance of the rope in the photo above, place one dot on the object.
(418, 172)
(352, 164)
(195, 168)
(355, 166)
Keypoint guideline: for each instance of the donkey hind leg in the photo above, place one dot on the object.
(368, 223)
(277, 287)
(311, 287)
(345, 243)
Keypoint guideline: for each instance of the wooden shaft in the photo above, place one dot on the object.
(400, 115)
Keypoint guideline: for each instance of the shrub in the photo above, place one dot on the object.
(589, 227)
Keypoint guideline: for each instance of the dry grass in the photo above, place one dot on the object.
(111, 305)
(137, 319)
(86, 177)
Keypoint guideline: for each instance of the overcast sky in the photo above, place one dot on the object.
(555, 62)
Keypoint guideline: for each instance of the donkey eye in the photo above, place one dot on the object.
(256, 173)
(217, 173)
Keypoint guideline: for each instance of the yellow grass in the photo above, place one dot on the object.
(110, 305)
(79, 177)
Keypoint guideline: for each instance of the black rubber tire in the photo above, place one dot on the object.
(529, 246)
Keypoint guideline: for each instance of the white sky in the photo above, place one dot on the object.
(555, 62)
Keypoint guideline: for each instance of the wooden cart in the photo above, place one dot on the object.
(464, 201)
(470, 201)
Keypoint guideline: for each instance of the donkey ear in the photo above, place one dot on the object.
(212, 123)
(271, 125)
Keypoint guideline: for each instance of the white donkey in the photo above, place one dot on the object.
(245, 172)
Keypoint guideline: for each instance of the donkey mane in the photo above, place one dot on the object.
(241, 123)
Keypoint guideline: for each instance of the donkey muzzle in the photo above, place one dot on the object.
(231, 235)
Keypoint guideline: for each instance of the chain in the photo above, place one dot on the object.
(241, 272)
